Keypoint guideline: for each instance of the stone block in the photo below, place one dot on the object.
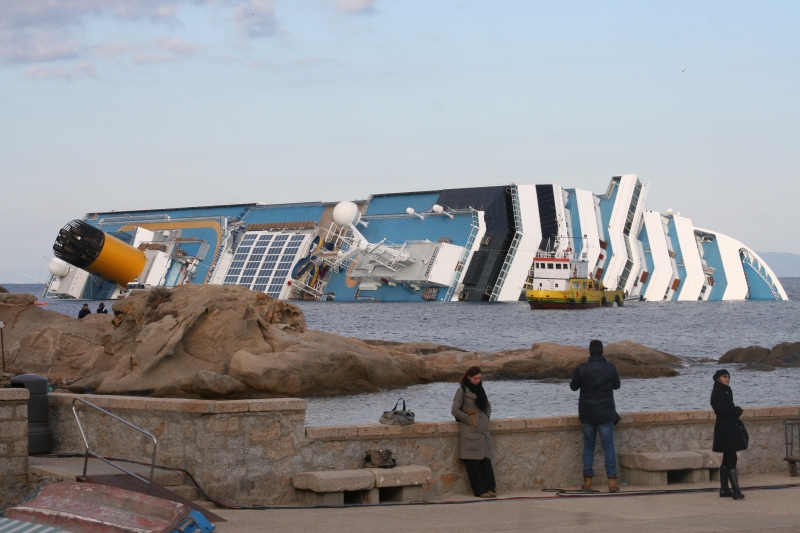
(411, 493)
(277, 404)
(447, 428)
(10, 395)
(4, 448)
(423, 428)
(21, 411)
(507, 425)
(379, 430)
(14, 429)
(15, 466)
(659, 461)
(223, 424)
(307, 497)
(710, 459)
(401, 476)
(331, 432)
(6, 412)
(371, 497)
(229, 406)
(334, 480)
(196, 406)
(643, 478)
(266, 433)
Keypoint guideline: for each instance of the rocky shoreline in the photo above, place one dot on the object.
(225, 342)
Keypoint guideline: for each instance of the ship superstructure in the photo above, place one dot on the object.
(467, 244)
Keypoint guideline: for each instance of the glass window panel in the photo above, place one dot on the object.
(240, 257)
(252, 264)
(234, 272)
(259, 249)
(243, 250)
(249, 238)
(259, 287)
(298, 238)
(249, 272)
(264, 238)
(246, 281)
(230, 279)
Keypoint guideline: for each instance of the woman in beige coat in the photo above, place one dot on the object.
(472, 409)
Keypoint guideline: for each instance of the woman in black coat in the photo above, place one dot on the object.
(730, 435)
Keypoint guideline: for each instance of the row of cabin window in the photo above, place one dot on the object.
(559, 266)
(575, 285)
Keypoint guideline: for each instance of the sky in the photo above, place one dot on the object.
(137, 104)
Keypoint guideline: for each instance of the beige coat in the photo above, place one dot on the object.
(474, 441)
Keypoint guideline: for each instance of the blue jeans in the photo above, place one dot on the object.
(590, 440)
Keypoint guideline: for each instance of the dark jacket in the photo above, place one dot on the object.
(597, 379)
(729, 432)
(83, 312)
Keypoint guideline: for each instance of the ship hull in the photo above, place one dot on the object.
(553, 304)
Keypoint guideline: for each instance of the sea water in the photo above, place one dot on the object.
(696, 331)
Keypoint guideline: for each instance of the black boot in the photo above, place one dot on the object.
(733, 475)
(724, 489)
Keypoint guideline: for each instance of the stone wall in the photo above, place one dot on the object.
(248, 451)
(13, 444)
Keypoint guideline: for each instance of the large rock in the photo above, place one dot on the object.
(199, 341)
(750, 354)
(785, 354)
(547, 360)
(208, 341)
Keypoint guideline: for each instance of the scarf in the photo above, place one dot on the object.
(482, 401)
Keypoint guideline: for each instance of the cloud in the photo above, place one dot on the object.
(177, 46)
(38, 31)
(356, 6)
(256, 19)
(79, 71)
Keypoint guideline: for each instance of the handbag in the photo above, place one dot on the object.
(743, 435)
(395, 417)
(379, 458)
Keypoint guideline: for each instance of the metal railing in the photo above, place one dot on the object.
(464, 256)
(96, 456)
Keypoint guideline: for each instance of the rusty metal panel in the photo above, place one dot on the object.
(90, 508)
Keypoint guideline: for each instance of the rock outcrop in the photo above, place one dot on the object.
(547, 360)
(206, 341)
(785, 354)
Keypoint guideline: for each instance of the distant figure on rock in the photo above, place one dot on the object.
(597, 380)
(730, 435)
(472, 409)
(101, 309)
(85, 311)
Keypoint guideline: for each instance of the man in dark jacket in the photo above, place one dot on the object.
(597, 380)
(84, 311)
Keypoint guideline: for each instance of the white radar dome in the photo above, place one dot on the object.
(437, 209)
(669, 211)
(410, 210)
(58, 268)
(346, 213)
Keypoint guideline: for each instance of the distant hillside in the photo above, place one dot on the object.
(785, 265)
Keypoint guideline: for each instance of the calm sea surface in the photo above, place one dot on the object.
(694, 330)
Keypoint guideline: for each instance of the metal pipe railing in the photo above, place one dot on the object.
(89, 452)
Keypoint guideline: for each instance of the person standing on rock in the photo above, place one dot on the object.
(730, 435)
(597, 380)
(101, 309)
(84, 311)
(472, 410)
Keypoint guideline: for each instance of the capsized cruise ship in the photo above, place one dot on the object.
(469, 244)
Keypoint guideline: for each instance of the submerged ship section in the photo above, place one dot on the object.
(466, 244)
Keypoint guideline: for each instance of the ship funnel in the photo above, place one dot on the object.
(89, 248)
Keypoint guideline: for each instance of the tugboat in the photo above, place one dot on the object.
(560, 280)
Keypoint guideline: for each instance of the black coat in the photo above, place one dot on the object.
(597, 379)
(729, 433)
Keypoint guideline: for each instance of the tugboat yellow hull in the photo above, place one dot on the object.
(573, 299)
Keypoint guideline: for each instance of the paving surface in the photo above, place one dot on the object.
(774, 511)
